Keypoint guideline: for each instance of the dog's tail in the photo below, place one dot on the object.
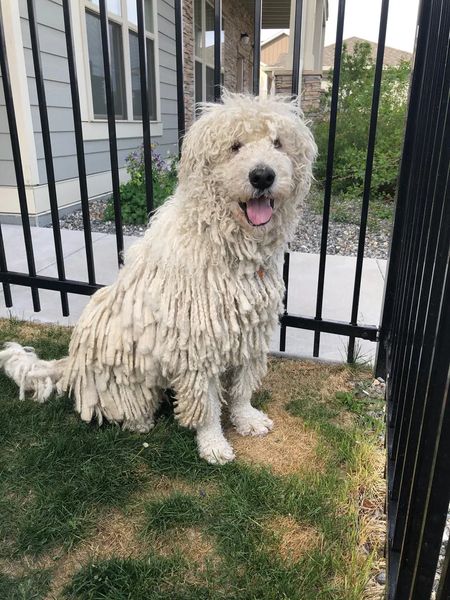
(31, 374)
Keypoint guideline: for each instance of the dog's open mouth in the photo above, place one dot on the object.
(258, 209)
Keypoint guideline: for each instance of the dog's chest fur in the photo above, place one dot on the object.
(239, 314)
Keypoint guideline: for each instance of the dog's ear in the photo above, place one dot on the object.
(201, 145)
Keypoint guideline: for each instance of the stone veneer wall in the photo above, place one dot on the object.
(310, 92)
(236, 20)
(188, 60)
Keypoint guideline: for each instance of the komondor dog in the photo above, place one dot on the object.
(194, 306)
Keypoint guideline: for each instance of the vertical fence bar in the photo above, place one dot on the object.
(285, 300)
(4, 268)
(430, 306)
(111, 131)
(297, 47)
(84, 195)
(145, 112)
(415, 243)
(428, 500)
(180, 72)
(422, 262)
(20, 181)
(416, 328)
(396, 250)
(257, 45)
(217, 49)
(329, 170)
(368, 172)
(46, 139)
(294, 91)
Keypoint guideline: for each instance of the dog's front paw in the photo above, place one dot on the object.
(216, 452)
(252, 422)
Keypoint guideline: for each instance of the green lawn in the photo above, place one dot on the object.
(99, 514)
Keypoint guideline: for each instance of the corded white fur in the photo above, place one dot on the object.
(199, 294)
(29, 372)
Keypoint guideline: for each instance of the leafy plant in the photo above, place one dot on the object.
(354, 108)
(133, 193)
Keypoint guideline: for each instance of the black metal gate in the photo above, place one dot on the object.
(415, 331)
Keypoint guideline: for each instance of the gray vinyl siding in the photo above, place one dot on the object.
(7, 174)
(168, 77)
(55, 69)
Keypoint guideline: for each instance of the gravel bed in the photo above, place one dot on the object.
(342, 237)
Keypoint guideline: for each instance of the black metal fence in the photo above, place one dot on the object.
(414, 349)
(60, 283)
(415, 330)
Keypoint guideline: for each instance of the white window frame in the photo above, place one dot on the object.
(95, 128)
(202, 59)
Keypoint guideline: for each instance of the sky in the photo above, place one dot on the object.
(362, 19)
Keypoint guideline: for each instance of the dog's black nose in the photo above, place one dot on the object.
(261, 177)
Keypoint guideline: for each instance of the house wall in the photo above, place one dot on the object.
(6, 162)
(271, 51)
(237, 19)
(50, 21)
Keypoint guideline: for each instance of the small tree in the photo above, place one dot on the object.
(354, 106)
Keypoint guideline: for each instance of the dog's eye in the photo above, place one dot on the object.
(236, 147)
(277, 143)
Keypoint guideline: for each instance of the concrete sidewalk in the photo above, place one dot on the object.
(339, 276)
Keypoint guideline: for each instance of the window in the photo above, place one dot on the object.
(136, 78)
(204, 50)
(124, 59)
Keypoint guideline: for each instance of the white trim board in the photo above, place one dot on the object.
(98, 130)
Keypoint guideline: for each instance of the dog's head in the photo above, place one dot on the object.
(253, 157)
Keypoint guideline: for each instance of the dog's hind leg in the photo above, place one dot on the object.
(212, 445)
(246, 419)
(144, 420)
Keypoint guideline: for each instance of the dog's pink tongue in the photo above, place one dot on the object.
(259, 210)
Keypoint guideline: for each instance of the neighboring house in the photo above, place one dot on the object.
(276, 57)
(237, 47)
(392, 56)
(198, 39)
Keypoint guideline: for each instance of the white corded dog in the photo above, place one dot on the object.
(199, 295)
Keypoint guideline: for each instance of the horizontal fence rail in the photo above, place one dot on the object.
(415, 330)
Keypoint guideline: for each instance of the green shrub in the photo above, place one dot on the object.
(132, 193)
(354, 106)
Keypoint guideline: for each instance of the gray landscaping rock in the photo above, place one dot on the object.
(342, 237)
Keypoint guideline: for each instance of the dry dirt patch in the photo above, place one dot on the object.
(117, 534)
(290, 447)
(28, 331)
(191, 542)
(293, 540)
